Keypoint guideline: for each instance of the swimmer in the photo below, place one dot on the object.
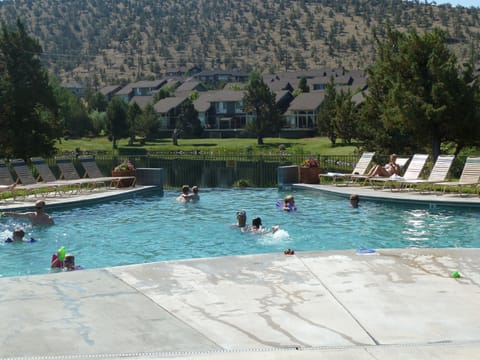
(194, 196)
(241, 219)
(58, 258)
(37, 217)
(289, 203)
(18, 236)
(70, 263)
(257, 227)
(354, 200)
(185, 194)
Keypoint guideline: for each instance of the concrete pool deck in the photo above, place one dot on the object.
(391, 304)
(369, 193)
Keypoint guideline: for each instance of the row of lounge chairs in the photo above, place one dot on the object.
(46, 182)
(412, 174)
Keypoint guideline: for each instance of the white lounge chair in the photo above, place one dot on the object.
(412, 172)
(470, 175)
(439, 173)
(361, 168)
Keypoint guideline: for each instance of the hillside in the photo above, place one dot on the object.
(112, 41)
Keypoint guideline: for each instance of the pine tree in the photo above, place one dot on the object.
(28, 111)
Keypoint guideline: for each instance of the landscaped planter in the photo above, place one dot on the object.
(124, 182)
(309, 175)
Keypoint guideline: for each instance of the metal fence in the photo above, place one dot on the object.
(224, 170)
(213, 169)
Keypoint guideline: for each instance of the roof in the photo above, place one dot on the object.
(126, 90)
(279, 81)
(202, 104)
(148, 84)
(282, 94)
(165, 105)
(189, 85)
(222, 72)
(307, 101)
(110, 90)
(142, 101)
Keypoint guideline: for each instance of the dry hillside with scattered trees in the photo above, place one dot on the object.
(111, 41)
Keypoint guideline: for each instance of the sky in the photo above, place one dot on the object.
(466, 3)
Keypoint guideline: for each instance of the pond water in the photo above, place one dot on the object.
(151, 228)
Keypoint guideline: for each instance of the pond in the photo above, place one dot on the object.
(151, 227)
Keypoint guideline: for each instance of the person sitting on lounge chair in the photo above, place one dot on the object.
(387, 170)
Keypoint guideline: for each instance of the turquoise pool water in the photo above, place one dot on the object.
(152, 228)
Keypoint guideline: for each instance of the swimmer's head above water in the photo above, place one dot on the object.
(257, 222)
(241, 218)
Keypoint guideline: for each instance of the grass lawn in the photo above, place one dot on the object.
(316, 145)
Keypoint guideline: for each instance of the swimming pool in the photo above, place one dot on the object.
(151, 228)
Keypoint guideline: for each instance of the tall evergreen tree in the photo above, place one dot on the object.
(148, 123)
(28, 111)
(133, 114)
(345, 117)
(418, 96)
(259, 100)
(117, 120)
(327, 112)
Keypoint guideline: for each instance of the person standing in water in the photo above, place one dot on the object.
(37, 217)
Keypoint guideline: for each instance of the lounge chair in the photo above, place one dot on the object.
(360, 168)
(7, 180)
(470, 175)
(5, 175)
(44, 171)
(69, 172)
(27, 179)
(412, 172)
(92, 171)
(438, 174)
(367, 178)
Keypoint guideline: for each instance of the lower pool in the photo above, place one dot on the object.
(151, 228)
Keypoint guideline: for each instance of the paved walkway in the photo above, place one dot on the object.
(392, 304)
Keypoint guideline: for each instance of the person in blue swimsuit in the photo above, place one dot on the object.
(18, 236)
(289, 203)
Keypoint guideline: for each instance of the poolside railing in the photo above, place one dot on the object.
(224, 170)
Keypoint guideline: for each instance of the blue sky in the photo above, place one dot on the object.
(466, 3)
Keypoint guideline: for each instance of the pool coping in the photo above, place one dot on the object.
(85, 197)
(368, 193)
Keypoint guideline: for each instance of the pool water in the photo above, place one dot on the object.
(151, 228)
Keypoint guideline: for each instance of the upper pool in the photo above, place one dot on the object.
(151, 228)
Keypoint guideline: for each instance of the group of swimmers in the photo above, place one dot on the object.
(187, 196)
(256, 226)
(63, 261)
(40, 217)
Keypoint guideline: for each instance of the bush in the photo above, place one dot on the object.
(242, 183)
